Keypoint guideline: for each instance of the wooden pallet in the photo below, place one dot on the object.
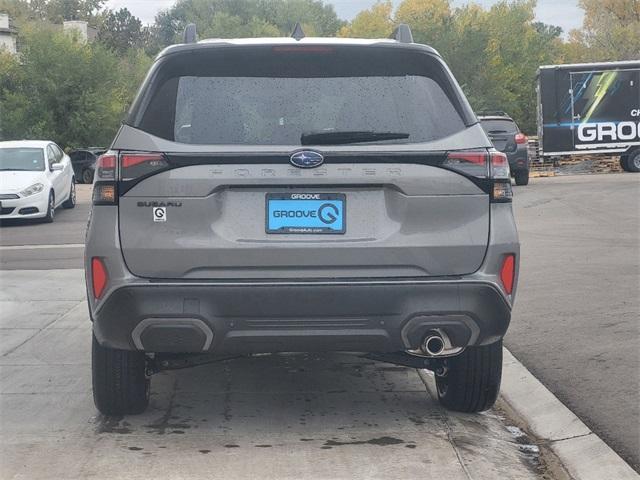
(570, 164)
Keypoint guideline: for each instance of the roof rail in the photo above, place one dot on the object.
(297, 33)
(190, 34)
(402, 34)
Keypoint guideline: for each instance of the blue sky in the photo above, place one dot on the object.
(564, 13)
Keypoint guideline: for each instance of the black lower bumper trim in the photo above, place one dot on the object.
(261, 318)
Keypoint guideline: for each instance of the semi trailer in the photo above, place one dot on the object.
(590, 108)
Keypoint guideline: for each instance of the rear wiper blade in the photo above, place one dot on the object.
(498, 131)
(344, 137)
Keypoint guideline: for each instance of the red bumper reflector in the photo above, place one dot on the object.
(508, 272)
(99, 276)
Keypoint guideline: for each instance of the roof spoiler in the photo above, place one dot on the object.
(190, 34)
(402, 34)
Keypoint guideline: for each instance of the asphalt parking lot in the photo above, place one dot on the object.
(34, 245)
(575, 327)
(576, 323)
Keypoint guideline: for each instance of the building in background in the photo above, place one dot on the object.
(84, 32)
(8, 34)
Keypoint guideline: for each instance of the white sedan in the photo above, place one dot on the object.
(36, 177)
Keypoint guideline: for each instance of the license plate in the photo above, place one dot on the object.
(306, 213)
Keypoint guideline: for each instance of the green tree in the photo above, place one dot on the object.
(493, 53)
(243, 18)
(377, 22)
(53, 11)
(431, 21)
(64, 90)
(610, 31)
(24, 10)
(59, 10)
(120, 31)
(516, 46)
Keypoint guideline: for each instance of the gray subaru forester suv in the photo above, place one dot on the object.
(296, 195)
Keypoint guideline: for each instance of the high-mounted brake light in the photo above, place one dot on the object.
(304, 49)
(508, 273)
(521, 138)
(99, 276)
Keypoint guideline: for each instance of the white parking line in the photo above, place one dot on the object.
(41, 247)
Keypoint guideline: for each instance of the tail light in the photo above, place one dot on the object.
(99, 277)
(473, 163)
(521, 138)
(112, 168)
(489, 165)
(134, 165)
(104, 181)
(508, 273)
(106, 167)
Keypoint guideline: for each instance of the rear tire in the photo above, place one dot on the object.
(71, 201)
(87, 176)
(623, 162)
(472, 379)
(522, 177)
(120, 384)
(632, 162)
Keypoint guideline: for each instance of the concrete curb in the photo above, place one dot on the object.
(582, 453)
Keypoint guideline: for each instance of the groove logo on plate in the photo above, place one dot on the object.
(306, 213)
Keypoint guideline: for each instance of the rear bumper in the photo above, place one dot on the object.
(256, 317)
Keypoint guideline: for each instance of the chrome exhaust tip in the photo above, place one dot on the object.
(436, 343)
(433, 344)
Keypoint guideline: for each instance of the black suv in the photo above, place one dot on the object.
(507, 137)
(84, 161)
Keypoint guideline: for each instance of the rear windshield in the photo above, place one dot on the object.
(17, 159)
(499, 126)
(287, 95)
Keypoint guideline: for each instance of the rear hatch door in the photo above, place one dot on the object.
(502, 134)
(230, 136)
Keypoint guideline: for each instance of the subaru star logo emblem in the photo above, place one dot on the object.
(306, 159)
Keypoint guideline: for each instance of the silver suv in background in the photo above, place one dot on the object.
(295, 195)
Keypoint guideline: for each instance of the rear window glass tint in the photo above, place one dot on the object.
(499, 126)
(277, 111)
(286, 96)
